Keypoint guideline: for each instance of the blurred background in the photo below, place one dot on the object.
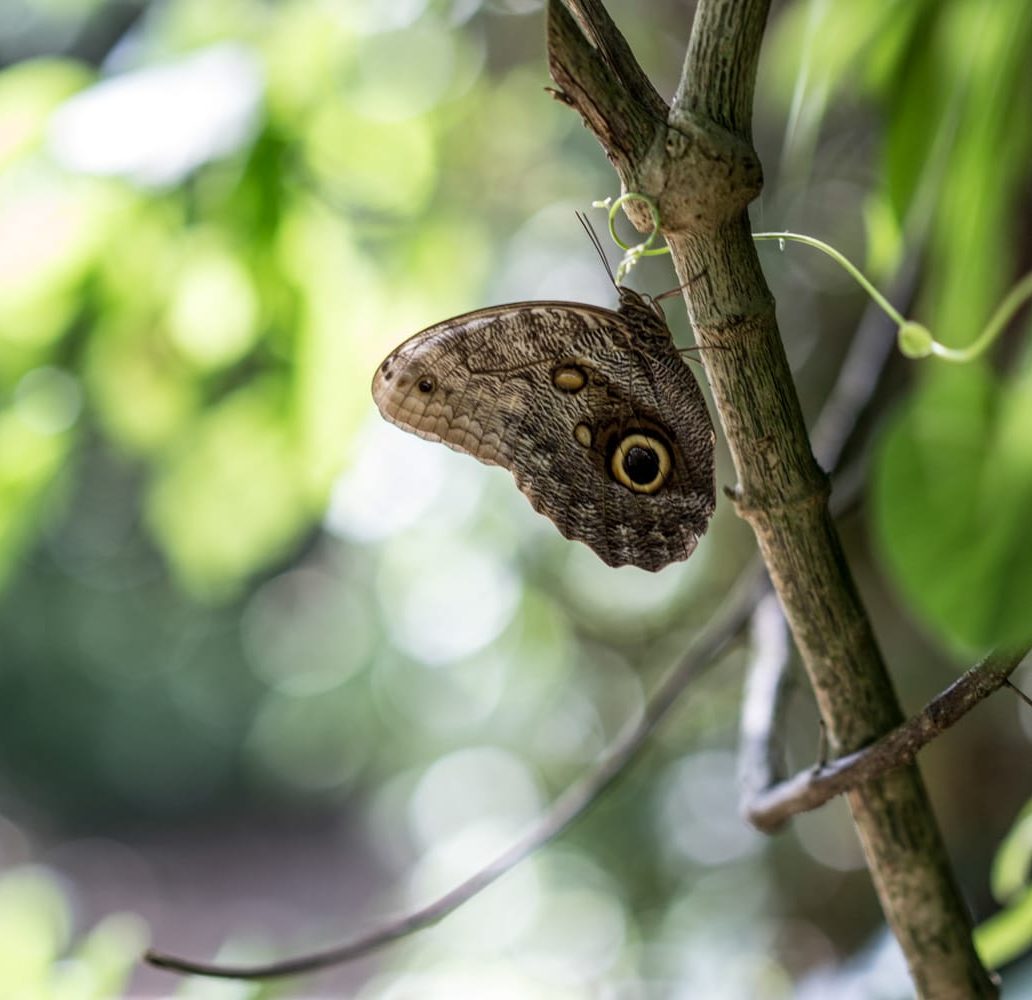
(272, 671)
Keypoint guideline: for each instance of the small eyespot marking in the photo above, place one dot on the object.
(569, 378)
(582, 432)
(425, 384)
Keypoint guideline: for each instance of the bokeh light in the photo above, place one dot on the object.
(273, 670)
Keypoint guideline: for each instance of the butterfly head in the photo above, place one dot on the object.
(641, 309)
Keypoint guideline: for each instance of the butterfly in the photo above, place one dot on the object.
(594, 412)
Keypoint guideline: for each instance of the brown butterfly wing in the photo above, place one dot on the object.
(552, 391)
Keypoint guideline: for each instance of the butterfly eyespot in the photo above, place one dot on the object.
(582, 434)
(641, 462)
(569, 378)
(425, 384)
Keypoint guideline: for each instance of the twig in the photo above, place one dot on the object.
(767, 686)
(596, 73)
(767, 810)
(1021, 694)
(572, 804)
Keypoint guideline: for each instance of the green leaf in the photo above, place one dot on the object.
(32, 455)
(1006, 935)
(104, 960)
(29, 92)
(952, 491)
(35, 927)
(1012, 865)
(229, 500)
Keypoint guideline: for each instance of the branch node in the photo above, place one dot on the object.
(560, 96)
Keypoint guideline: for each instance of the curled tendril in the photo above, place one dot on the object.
(913, 339)
(632, 253)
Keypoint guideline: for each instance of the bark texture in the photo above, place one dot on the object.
(696, 161)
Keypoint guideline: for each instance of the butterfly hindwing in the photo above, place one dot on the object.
(601, 423)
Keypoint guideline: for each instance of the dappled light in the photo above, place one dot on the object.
(273, 672)
(154, 126)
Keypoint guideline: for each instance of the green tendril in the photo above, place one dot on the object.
(1016, 298)
(632, 254)
(915, 340)
(845, 262)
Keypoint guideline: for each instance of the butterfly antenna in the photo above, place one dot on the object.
(597, 244)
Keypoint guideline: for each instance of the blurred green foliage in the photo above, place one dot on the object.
(951, 487)
(1006, 935)
(226, 586)
(219, 329)
(37, 956)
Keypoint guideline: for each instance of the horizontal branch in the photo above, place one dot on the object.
(769, 809)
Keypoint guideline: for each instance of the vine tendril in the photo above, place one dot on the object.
(913, 339)
(632, 253)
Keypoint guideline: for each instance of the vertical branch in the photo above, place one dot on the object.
(702, 171)
(723, 49)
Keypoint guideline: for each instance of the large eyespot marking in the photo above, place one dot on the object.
(569, 378)
(641, 462)
(425, 384)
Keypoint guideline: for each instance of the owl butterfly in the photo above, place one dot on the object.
(593, 411)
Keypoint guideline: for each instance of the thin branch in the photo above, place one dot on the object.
(593, 70)
(869, 351)
(598, 75)
(703, 655)
(720, 65)
(767, 810)
(598, 28)
(767, 687)
(1021, 694)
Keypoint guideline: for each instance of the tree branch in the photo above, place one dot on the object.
(751, 596)
(597, 74)
(719, 74)
(703, 177)
(596, 27)
(767, 809)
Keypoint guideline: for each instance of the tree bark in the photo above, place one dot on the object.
(696, 161)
